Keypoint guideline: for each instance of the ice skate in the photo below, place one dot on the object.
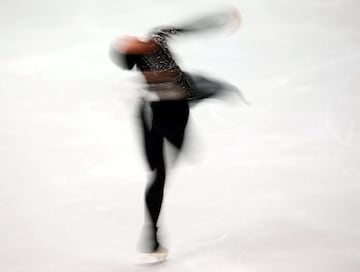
(155, 257)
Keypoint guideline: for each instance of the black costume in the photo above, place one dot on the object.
(167, 118)
(160, 120)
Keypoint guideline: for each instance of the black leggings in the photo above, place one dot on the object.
(160, 120)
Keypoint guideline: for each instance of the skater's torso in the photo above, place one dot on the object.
(161, 72)
(160, 60)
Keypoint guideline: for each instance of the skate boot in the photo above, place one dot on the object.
(151, 250)
(154, 257)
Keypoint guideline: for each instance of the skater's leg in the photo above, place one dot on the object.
(154, 194)
(153, 202)
(168, 119)
(174, 126)
(146, 120)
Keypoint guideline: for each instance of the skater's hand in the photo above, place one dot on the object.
(134, 46)
(234, 19)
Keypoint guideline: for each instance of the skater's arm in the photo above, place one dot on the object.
(229, 18)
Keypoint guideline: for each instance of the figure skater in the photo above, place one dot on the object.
(164, 109)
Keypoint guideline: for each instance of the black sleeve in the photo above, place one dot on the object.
(206, 23)
(124, 61)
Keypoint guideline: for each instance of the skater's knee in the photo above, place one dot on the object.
(158, 171)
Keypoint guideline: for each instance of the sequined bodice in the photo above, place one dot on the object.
(161, 59)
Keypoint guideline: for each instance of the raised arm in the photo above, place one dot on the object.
(229, 18)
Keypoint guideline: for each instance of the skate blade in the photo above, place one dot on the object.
(151, 258)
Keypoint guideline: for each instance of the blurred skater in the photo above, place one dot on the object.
(164, 109)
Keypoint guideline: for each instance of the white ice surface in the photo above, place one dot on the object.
(274, 186)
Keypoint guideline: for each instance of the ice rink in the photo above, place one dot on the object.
(273, 186)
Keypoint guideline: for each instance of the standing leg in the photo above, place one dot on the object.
(168, 120)
(155, 189)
